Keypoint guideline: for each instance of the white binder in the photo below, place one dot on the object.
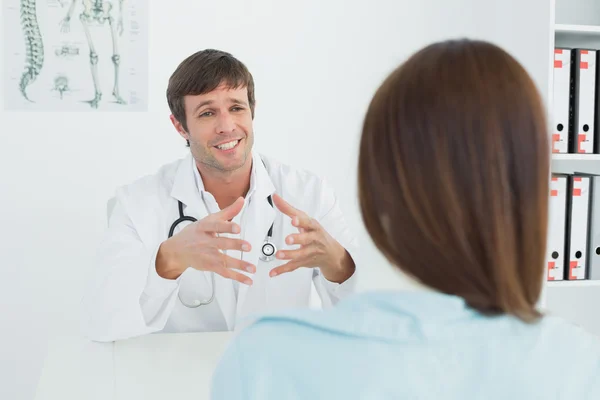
(561, 100)
(594, 235)
(578, 214)
(584, 100)
(555, 253)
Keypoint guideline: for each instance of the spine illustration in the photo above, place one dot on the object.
(34, 45)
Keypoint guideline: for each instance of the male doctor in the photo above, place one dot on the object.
(221, 234)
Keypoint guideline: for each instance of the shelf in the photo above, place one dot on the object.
(581, 283)
(577, 29)
(575, 157)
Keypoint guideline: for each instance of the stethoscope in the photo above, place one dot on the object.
(267, 250)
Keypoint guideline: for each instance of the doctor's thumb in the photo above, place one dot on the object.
(233, 209)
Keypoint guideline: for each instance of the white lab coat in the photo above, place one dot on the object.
(127, 298)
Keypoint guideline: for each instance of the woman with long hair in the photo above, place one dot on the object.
(454, 188)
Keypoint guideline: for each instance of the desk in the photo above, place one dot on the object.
(158, 366)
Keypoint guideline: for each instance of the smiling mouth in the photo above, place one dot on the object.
(228, 145)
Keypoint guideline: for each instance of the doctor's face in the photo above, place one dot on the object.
(220, 128)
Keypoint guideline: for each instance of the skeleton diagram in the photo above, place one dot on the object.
(98, 12)
(61, 85)
(34, 45)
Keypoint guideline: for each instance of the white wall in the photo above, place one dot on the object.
(316, 63)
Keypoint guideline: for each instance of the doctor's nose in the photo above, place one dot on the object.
(225, 124)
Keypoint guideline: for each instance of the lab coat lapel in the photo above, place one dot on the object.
(260, 216)
(185, 190)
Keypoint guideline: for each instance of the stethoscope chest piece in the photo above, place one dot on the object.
(267, 250)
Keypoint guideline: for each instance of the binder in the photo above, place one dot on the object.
(561, 100)
(594, 242)
(578, 200)
(557, 220)
(583, 87)
(594, 227)
(597, 106)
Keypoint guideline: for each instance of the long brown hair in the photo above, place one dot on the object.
(453, 175)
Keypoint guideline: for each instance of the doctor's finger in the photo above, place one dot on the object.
(303, 252)
(233, 275)
(235, 263)
(218, 226)
(230, 211)
(225, 243)
(287, 267)
(303, 238)
(285, 207)
(305, 223)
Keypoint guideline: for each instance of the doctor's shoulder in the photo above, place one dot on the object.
(149, 191)
(152, 184)
(302, 188)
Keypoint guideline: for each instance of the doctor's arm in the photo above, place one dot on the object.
(133, 290)
(333, 221)
(122, 300)
(326, 244)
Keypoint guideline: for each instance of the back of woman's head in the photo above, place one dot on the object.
(453, 175)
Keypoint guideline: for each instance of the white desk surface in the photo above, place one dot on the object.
(158, 366)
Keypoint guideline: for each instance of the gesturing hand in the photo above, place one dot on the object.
(199, 245)
(317, 247)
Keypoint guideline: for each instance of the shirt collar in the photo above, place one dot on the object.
(200, 183)
(395, 315)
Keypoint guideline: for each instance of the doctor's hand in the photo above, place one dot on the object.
(199, 246)
(318, 249)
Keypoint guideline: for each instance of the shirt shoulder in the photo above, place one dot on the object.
(269, 359)
(569, 340)
(285, 345)
(576, 351)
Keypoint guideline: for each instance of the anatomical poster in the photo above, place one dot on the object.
(75, 55)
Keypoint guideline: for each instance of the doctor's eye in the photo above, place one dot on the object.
(237, 108)
(206, 114)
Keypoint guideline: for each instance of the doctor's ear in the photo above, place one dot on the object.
(179, 127)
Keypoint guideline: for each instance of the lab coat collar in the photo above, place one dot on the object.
(200, 183)
(185, 188)
(261, 184)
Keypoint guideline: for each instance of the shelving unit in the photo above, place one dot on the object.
(570, 163)
(576, 24)
(576, 157)
(576, 29)
(582, 283)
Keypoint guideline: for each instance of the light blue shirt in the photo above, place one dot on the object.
(408, 345)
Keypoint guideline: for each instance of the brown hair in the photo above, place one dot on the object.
(203, 72)
(453, 175)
